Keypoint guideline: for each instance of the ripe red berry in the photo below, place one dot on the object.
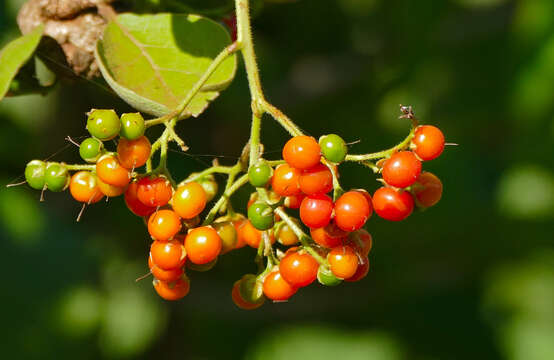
(285, 180)
(173, 290)
(154, 192)
(276, 288)
(343, 261)
(393, 205)
(302, 152)
(401, 169)
(352, 210)
(298, 268)
(168, 255)
(164, 224)
(316, 180)
(316, 211)
(294, 201)
(427, 190)
(428, 142)
(134, 204)
(202, 245)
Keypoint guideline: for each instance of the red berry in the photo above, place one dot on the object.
(401, 169)
(427, 190)
(361, 271)
(428, 142)
(329, 236)
(316, 211)
(164, 224)
(317, 180)
(393, 205)
(134, 204)
(202, 245)
(302, 152)
(154, 192)
(164, 275)
(352, 210)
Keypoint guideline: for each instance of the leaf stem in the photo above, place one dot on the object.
(77, 167)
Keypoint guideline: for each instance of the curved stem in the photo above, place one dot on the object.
(386, 153)
(228, 192)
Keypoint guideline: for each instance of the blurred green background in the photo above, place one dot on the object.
(472, 278)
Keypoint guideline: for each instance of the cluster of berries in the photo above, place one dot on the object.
(336, 250)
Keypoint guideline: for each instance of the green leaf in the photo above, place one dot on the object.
(14, 55)
(153, 61)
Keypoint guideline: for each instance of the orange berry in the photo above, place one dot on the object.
(298, 268)
(110, 171)
(202, 245)
(285, 180)
(276, 288)
(329, 236)
(173, 290)
(164, 224)
(83, 186)
(133, 154)
(248, 234)
(343, 261)
(168, 255)
(316, 180)
(189, 200)
(302, 152)
(164, 275)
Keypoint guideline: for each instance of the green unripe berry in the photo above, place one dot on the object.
(34, 174)
(261, 216)
(260, 173)
(91, 149)
(57, 177)
(201, 267)
(326, 277)
(228, 235)
(333, 148)
(209, 185)
(103, 124)
(132, 126)
(251, 290)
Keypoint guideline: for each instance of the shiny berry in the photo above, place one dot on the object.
(261, 216)
(35, 174)
(164, 224)
(155, 191)
(315, 211)
(401, 169)
(285, 235)
(361, 241)
(168, 255)
(251, 289)
(393, 205)
(83, 187)
(361, 271)
(240, 302)
(298, 268)
(103, 124)
(202, 245)
(91, 149)
(132, 126)
(110, 190)
(428, 142)
(134, 204)
(228, 235)
(294, 201)
(248, 234)
(316, 180)
(133, 154)
(302, 152)
(56, 177)
(333, 148)
(285, 180)
(343, 261)
(276, 288)
(352, 210)
(259, 173)
(110, 171)
(189, 200)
